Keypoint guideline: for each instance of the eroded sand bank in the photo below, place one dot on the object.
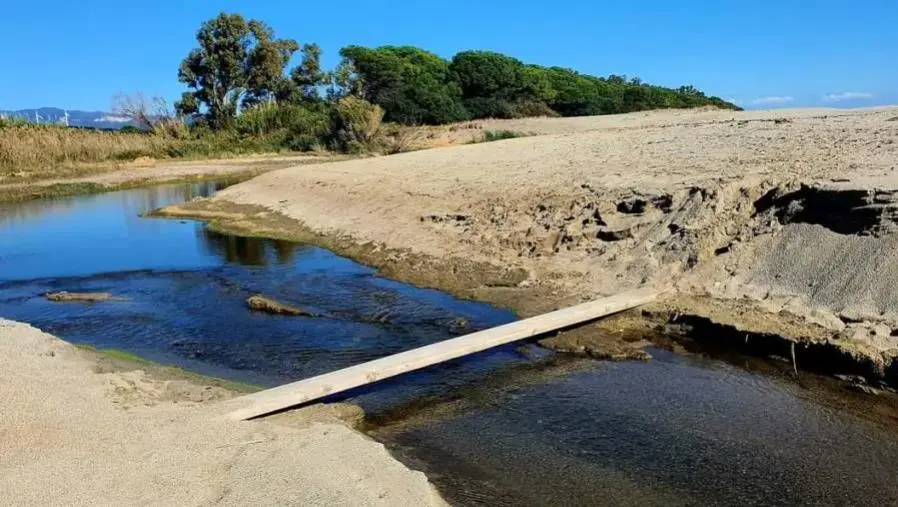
(788, 217)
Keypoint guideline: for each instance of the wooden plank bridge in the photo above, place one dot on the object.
(304, 391)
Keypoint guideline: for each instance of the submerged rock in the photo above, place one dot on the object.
(90, 297)
(459, 325)
(260, 303)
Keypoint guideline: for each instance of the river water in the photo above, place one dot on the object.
(517, 425)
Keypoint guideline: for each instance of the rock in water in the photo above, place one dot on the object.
(260, 303)
(90, 297)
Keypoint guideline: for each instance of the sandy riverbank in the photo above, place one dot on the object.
(144, 172)
(787, 217)
(74, 432)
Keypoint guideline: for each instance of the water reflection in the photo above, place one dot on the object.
(183, 291)
(101, 233)
(132, 201)
(247, 251)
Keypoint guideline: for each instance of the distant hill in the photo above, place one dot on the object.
(89, 119)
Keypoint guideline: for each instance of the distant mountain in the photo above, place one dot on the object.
(91, 119)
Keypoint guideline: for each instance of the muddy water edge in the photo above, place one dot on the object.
(520, 425)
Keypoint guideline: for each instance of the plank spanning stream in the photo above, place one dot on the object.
(304, 391)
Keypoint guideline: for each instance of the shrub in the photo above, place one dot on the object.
(357, 124)
(488, 107)
(297, 127)
(499, 135)
(532, 109)
(397, 138)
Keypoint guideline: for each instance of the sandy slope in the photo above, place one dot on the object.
(148, 171)
(715, 203)
(70, 436)
(514, 201)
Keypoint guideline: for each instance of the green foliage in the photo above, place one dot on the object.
(498, 86)
(580, 95)
(344, 81)
(188, 106)
(241, 96)
(484, 74)
(236, 60)
(357, 124)
(295, 127)
(308, 76)
(413, 86)
(115, 354)
(266, 63)
(130, 129)
(499, 135)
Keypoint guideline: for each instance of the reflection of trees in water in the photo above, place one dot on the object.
(130, 202)
(247, 251)
(285, 250)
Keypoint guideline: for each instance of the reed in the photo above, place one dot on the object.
(41, 151)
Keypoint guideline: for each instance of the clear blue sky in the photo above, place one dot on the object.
(763, 53)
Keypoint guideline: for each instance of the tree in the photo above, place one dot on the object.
(636, 98)
(492, 84)
(308, 76)
(266, 63)
(344, 81)
(235, 59)
(617, 79)
(146, 113)
(134, 106)
(484, 74)
(187, 106)
(413, 86)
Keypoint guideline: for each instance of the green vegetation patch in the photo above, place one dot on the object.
(112, 360)
(114, 354)
(499, 135)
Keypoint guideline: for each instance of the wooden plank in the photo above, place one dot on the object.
(304, 391)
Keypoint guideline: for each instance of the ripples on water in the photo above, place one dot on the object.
(517, 425)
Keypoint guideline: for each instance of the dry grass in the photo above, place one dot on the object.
(50, 151)
(30, 153)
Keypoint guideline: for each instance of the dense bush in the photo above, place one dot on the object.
(413, 86)
(357, 124)
(500, 135)
(298, 127)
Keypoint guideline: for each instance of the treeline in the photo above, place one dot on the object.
(238, 78)
(243, 96)
(416, 86)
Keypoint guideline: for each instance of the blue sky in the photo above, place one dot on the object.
(763, 53)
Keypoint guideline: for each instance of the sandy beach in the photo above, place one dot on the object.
(74, 434)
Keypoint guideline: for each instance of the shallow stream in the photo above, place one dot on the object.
(518, 425)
